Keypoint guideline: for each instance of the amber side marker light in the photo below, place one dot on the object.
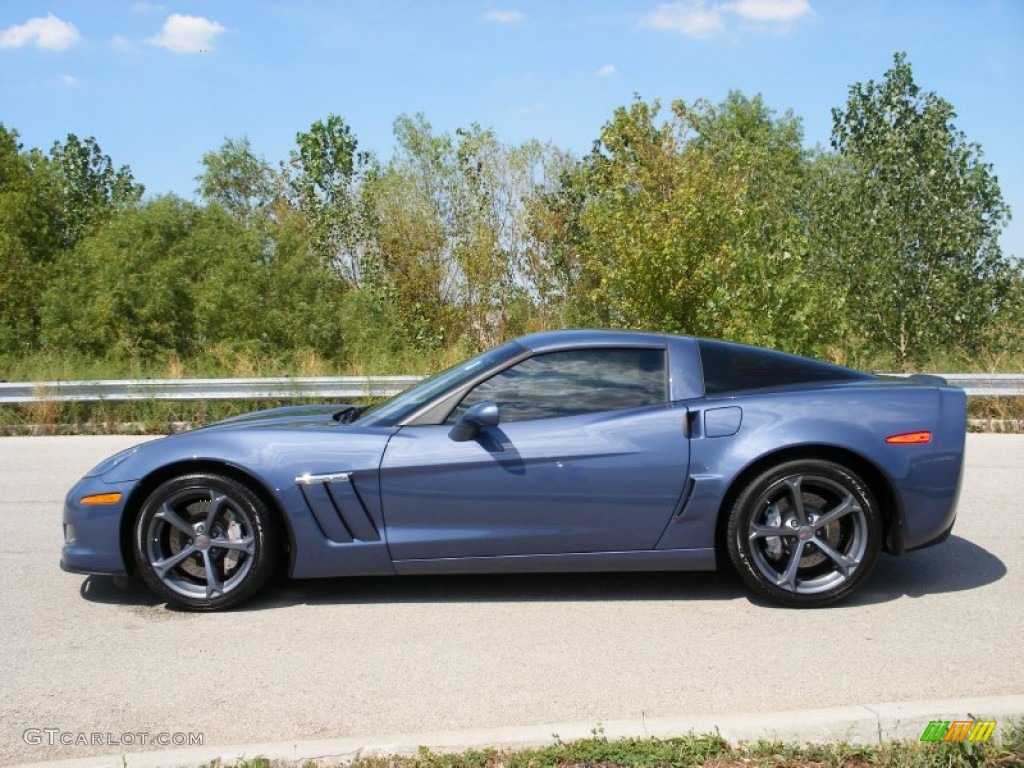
(102, 498)
(910, 438)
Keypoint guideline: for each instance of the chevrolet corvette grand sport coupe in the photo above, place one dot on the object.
(560, 451)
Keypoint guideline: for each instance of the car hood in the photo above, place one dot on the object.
(264, 443)
(286, 417)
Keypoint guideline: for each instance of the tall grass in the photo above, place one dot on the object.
(220, 363)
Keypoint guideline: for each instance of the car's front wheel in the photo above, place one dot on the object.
(205, 542)
(804, 533)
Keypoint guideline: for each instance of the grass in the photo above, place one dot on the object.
(219, 362)
(999, 414)
(702, 751)
(135, 417)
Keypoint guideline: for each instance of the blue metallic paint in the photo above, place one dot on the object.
(609, 482)
(641, 488)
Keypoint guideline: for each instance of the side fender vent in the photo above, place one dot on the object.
(337, 507)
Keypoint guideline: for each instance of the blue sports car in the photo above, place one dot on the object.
(560, 451)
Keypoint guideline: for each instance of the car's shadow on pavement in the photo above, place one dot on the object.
(117, 591)
(512, 588)
(954, 566)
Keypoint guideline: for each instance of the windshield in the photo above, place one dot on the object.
(402, 405)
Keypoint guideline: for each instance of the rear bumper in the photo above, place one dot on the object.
(937, 540)
(932, 490)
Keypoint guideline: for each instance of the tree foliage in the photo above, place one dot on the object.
(711, 219)
(916, 221)
(239, 181)
(695, 224)
(91, 188)
(29, 237)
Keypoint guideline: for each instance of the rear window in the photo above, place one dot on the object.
(735, 368)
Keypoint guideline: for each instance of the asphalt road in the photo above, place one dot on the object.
(362, 657)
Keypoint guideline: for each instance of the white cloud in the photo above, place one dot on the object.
(770, 10)
(607, 70)
(122, 43)
(699, 18)
(692, 18)
(504, 17)
(68, 81)
(187, 34)
(43, 32)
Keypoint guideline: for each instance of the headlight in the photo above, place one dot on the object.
(108, 464)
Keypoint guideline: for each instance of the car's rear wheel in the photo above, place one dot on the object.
(804, 533)
(206, 542)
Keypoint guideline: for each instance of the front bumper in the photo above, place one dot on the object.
(92, 533)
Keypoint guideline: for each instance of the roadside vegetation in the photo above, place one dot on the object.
(880, 251)
(703, 751)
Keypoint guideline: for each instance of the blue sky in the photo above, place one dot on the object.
(160, 83)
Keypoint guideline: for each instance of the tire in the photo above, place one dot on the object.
(201, 524)
(804, 534)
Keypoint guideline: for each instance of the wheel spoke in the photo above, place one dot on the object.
(214, 586)
(163, 566)
(845, 563)
(842, 509)
(764, 531)
(788, 579)
(247, 545)
(168, 515)
(796, 494)
(216, 504)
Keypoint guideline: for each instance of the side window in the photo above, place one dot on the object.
(573, 382)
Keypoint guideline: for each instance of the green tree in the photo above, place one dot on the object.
(452, 243)
(29, 240)
(696, 223)
(654, 222)
(91, 188)
(239, 181)
(409, 217)
(556, 257)
(914, 223)
(323, 176)
(129, 288)
(773, 294)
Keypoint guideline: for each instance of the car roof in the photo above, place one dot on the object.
(550, 340)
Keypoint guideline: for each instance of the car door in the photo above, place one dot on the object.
(588, 456)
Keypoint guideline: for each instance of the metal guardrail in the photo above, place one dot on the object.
(987, 384)
(326, 387)
(331, 387)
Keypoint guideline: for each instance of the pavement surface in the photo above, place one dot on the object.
(339, 663)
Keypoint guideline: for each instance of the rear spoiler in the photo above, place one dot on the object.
(929, 378)
(924, 379)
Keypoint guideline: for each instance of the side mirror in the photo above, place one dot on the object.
(468, 426)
